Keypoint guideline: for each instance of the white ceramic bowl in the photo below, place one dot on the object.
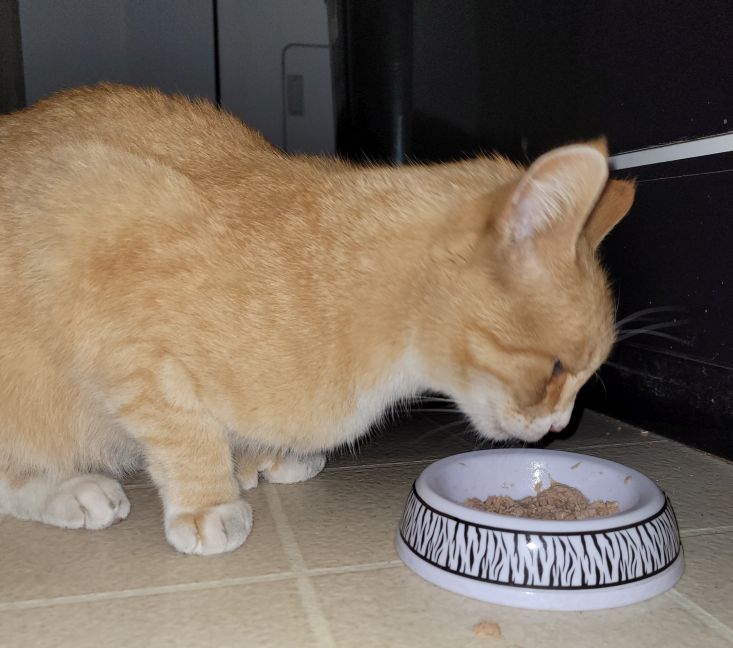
(540, 564)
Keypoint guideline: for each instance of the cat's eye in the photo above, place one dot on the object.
(557, 368)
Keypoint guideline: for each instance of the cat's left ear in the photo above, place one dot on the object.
(546, 212)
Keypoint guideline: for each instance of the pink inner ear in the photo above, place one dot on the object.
(556, 195)
(523, 228)
(541, 203)
(522, 210)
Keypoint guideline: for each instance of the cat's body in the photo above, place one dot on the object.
(175, 292)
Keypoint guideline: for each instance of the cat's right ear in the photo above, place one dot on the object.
(544, 215)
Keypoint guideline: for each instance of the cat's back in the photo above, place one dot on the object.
(98, 168)
(193, 137)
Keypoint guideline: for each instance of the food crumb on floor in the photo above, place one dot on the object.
(487, 629)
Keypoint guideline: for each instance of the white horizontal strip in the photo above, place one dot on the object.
(671, 152)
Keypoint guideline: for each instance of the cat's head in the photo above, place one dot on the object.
(525, 304)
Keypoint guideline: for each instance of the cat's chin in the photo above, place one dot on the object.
(489, 429)
(496, 430)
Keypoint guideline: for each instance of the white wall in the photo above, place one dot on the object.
(164, 43)
(252, 37)
(169, 44)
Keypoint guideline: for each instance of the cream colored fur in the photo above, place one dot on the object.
(176, 293)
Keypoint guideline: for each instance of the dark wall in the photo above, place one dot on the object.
(362, 33)
(521, 77)
(446, 64)
(12, 90)
(673, 251)
(642, 73)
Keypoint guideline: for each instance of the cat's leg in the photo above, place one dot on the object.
(189, 459)
(291, 468)
(83, 501)
(276, 468)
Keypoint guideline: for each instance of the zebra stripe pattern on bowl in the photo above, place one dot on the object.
(569, 561)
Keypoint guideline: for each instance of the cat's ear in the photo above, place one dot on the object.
(546, 211)
(612, 206)
(600, 144)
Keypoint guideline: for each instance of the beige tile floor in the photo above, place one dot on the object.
(319, 568)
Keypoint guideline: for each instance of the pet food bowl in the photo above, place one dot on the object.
(590, 564)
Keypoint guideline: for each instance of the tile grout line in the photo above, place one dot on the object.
(703, 531)
(354, 569)
(702, 615)
(308, 597)
(93, 597)
(200, 586)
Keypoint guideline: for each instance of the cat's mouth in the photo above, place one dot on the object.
(498, 427)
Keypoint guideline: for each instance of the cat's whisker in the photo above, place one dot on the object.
(657, 325)
(426, 397)
(443, 428)
(615, 365)
(482, 442)
(433, 410)
(666, 336)
(603, 384)
(654, 329)
(433, 399)
(645, 313)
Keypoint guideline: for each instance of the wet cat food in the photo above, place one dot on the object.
(558, 502)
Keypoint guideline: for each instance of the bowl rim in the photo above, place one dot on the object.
(651, 498)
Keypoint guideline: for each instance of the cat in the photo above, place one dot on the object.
(178, 294)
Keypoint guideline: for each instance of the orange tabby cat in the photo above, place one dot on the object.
(177, 293)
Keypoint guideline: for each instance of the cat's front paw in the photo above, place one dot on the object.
(212, 530)
(86, 502)
(292, 468)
